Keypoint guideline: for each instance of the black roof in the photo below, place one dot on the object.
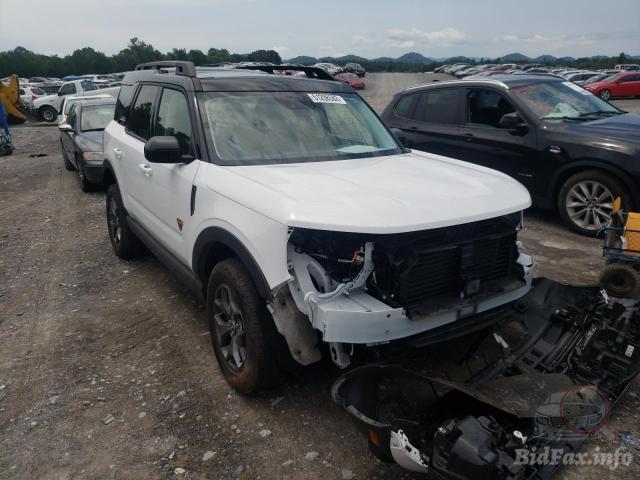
(221, 79)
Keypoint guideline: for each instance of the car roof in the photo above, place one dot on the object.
(98, 101)
(505, 81)
(222, 79)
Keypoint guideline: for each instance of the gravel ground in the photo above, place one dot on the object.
(106, 369)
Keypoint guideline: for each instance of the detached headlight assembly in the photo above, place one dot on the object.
(93, 156)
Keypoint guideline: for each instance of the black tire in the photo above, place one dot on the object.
(619, 280)
(605, 95)
(67, 164)
(582, 218)
(48, 114)
(85, 185)
(247, 324)
(124, 242)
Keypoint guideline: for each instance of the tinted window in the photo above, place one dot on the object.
(87, 85)
(72, 117)
(436, 106)
(486, 107)
(630, 78)
(139, 120)
(123, 103)
(173, 119)
(405, 105)
(68, 89)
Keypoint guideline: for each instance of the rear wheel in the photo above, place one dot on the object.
(124, 242)
(605, 95)
(242, 332)
(586, 199)
(48, 114)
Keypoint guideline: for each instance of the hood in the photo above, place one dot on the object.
(625, 127)
(90, 141)
(391, 194)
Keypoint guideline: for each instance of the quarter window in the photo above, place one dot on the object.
(173, 119)
(139, 120)
(123, 103)
(405, 105)
(68, 89)
(437, 106)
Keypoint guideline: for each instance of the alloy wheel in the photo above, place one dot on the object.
(115, 229)
(229, 326)
(589, 204)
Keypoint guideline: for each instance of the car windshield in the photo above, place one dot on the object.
(563, 101)
(96, 117)
(257, 128)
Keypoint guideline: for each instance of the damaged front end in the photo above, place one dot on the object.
(542, 376)
(370, 289)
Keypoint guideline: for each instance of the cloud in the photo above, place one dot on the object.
(397, 38)
(555, 42)
(281, 50)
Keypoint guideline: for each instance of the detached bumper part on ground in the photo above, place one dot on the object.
(548, 343)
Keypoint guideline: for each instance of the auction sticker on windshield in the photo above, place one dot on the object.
(326, 98)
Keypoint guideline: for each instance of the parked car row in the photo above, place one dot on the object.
(573, 151)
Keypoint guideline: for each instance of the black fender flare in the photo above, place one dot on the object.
(108, 172)
(560, 175)
(217, 235)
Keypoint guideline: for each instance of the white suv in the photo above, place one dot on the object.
(289, 207)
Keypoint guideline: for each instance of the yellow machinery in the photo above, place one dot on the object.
(10, 98)
(621, 276)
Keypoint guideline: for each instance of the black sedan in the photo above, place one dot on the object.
(81, 139)
(572, 150)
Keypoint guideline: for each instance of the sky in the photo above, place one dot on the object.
(373, 28)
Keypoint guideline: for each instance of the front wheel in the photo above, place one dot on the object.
(585, 201)
(605, 95)
(67, 164)
(85, 185)
(242, 332)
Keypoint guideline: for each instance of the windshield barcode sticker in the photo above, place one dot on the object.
(326, 98)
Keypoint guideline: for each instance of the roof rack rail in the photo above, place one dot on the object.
(311, 72)
(186, 69)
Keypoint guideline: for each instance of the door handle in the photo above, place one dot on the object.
(469, 136)
(146, 169)
(119, 153)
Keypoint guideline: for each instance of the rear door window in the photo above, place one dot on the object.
(437, 106)
(139, 119)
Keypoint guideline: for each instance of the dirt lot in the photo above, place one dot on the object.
(106, 369)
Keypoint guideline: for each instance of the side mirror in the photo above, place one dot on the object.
(400, 136)
(163, 149)
(65, 127)
(512, 121)
(60, 94)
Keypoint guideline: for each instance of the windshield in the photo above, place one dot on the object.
(256, 128)
(96, 117)
(563, 101)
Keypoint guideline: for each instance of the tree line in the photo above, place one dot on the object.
(26, 63)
